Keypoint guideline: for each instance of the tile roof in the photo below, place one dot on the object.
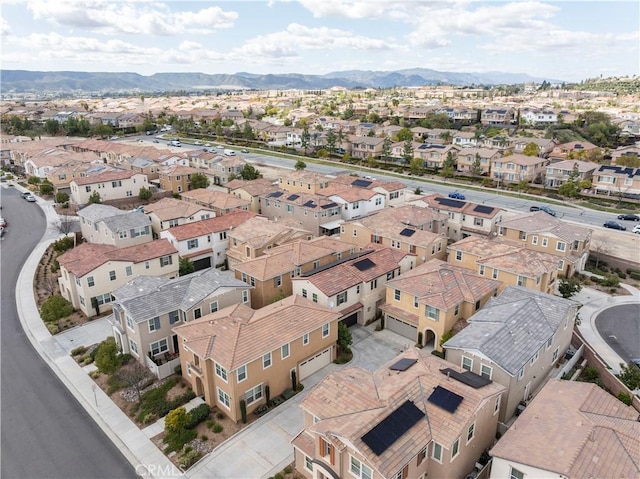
(444, 285)
(257, 187)
(385, 223)
(519, 159)
(171, 208)
(236, 335)
(260, 231)
(542, 223)
(96, 212)
(513, 326)
(575, 430)
(214, 199)
(226, 222)
(441, 203)
(350, 402)
(86, 257)
(104, 177)
(348, 193)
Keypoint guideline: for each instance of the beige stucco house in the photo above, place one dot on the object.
(104, 224)
(112, 185)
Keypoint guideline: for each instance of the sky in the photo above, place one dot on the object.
(565, 40)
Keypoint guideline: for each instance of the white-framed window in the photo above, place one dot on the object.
(90, 281)
(284, 351)
(314, 297)
(128, 270)
(486, 371)
(358, 469)
(224, 399)
(253, 394)
(213, 307)
(174, 317)
(496, 405)
(154, 324)
(147, 265)
(308, 463)
(130, 323)
(471, 432)
(191, 244)
(534, 240)
(432, 313)
(549, 343)
(304, 293)
(326, 329)
(520, 374)
(535, 357)
(245, 296)
(481, 270)
(341, 298)
(159, 347)
(112, 275)
(305, 339)
(455, 449)
(197, 313)
(494, 273)
(523, 235)
(266, 361)
(560, 265)
(166, 261)
(467, 363)
(458, 255)
(522, 281)
(241, 373)
(561, 246)
(277, 281)
(436, 452)
(374, 284)
(456, 310)
(515, 474)
(555, 355)
(545, 242)
(396, 294)
(103, 298)
(133, 346)
(221, 372)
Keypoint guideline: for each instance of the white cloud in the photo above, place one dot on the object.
(5, 28)
(354, 9)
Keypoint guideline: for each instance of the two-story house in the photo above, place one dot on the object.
(177, 178)
(302, 181)
(226, 168)
(469, 157)
(433, 155)
(617, 181)
(112, 185)
(91, 272)
(104, 224)
(515, 168)
(251, 191)
(363, 147)
(220, 202)
(515, 340)
(561, 172)
(497, 116)
(169, 212)
(425, 304)
(354, 202)
(393, 191)
(354, 287)
(239, 357)
(417, 416)
(573, 150)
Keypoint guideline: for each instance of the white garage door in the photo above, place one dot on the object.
(404, 329)
(314, 363)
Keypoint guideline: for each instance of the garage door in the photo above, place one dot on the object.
(404, 329)
(350, 320)
(203, 263)
(314, 363)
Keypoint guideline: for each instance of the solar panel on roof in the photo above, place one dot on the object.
(407, 232)
(392, 428)
(470, 379)
(450, 202)
(361, 183)
(445, 399)
(483, 209)
(293, 197)
(329, 205)
(364, 264)
(275, 194)
(309, 204)
(403, 364)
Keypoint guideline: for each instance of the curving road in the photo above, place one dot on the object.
(45, 432)
(619, 326)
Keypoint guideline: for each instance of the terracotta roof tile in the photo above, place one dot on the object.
(226, 222)
(104, 177)
(170, 208)
(214, 199)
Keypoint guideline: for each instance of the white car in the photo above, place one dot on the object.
(636, 229)
(197, 143)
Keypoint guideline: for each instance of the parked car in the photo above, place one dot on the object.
(244, 150)
(636, 361)
(25, 194)
(3, 222)
(156, 141)
(197, 143)
(636, 229)
(544, 208)
(456, 195)
(629, 217)
(614, 225)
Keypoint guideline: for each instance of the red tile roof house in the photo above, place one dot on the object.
(415, 417)
(113, 185)
(220, 202)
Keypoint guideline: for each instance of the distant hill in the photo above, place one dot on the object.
(101, 82)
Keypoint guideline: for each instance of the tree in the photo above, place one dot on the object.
(52, 127)
(107, 356)
(186, 267)
(304, 138)
(344, 338)
(134, 376)
(407, 151)
(569, 287)
(531, 149)
(46, 188)
(55, 308)
(446, 137)
(300, 165)
(95, 198)
(144, 194)
(600, 246)
(49, 284)
(199, 180)
(416, 167)
(33, 180)
(476, 166)
(405, 134)
(331, 141)
(249, 172)
(386, 149)
(630, 376)
(176, 420)
(61, 197)
(65, 224)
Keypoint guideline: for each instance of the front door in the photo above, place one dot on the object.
(175, 343)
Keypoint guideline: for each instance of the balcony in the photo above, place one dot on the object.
(195, 369)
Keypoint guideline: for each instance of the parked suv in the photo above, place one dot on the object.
(544, 208)
(629, 217)
(614, 225)
(636, 229)
(456, 195)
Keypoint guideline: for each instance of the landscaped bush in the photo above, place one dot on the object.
(55, 308)
(106, 358)
(634, 275)
(217, 428)
(176, 440)
(63, 244)
(197, 415)
(189, 459)
(78, 351)
(625, 398)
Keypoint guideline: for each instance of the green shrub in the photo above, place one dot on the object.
(149, 418)
(197, 415)
(55, 308)
(63, 244)
(33, 180)
(591, 374)
(634, 275)
(210, 423)
(62, 197)
(217, 428)
(107, 356)
(53, 328)
(55, 266)
(176, 440)
(78, 351)
(189, 459)
(46, 188)
(610, 280)
(278, 475)
(625, 398)
(288, 470)
(204, 437)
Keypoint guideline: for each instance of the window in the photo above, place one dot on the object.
(277, 281)
(284, 351)
(523, 235)
(314, 297)
(221, 372)
(325, 330)
(116, 184)
(415, 301)
(103, 298)
(90, 281)
(154, 324)
(436, 452)
(133, 346)
(494, 274)
(478, 221)
(486, 371)
(305, 339)
(467, 363)
(289, 208)
(147, 265)
(515, 474)
(355, 232)
(396, 294)
(432, 313)
(520, 374)
(192, 243)
(341, 298)
(130, 324)
(501, 231)
(112, 275)
(555, 355)
(166, 261)
(213, 307)
(159, 347)
(266, 361)
(560, 265)
(253, 394)
(308, 463)
(545, 242)
(456, 310)
(422, 455)
(561, 246)
(535, 357)
(470, 432)
(458, 255)
(222, 236)
(534, 240)
(245, 296)
(455, 449)
(374, 284)
(496, 405)
(174, 317)
(128, 270)
(224, 399)
(522, 281)
(241, 373)
(481, 270)
(87, 188)
(358, 469)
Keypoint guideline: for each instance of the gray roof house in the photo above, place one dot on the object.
(515, 340)
(104, 224)
(146, 308)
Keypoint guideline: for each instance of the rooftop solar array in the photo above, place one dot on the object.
(470, 379)
(329, 205)
(293, 197)
(361, 183)
(403, 364)
(407, 232)
(275, 194)
(391, 428)
(445, 399)
(483, 209)
(364, 264)
(450, 202)
(309, 204)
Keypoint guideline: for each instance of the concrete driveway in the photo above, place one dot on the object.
(263, 448)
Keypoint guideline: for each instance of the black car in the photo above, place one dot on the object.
(629, 217)
(544, 208)
(614, 225)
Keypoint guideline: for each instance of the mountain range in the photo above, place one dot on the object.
(100, 82)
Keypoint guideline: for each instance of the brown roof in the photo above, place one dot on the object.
(214, 199)
(375, 184)
(260, 231)
(211, 225)
(348, 193)
(542, 223)
(86, 257)
(466, 207)
(575, 430)
(386, 224)
(170, 208)
(257, 187)
(237, 335)
(103, 177)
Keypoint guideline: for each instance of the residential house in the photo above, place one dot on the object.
(434, 156)
(251, 191)
(60, 177)
(354, 202)
(271, 274)
(466, 159)
(205, 242)
(509, 262)
(631, 152)
(112, 185)
(573, 150)
(220, 202)
(515, 340)
(146, 166)
(466, 139)
(497, 116)
(393, 191)
(146, 308)
(617, 181)
(355, 286)
(425, 304)
(302, 181)
(363, 147)
(545, 145)
(233, 355)
(177, 178)
(226, 168)
(417, 416)
(587, 433)
(412, 229)
(561, 172)
(515, 168)
(104, 224)
(537, 117)
(169, 212)
(91, 272)
(538, 231)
